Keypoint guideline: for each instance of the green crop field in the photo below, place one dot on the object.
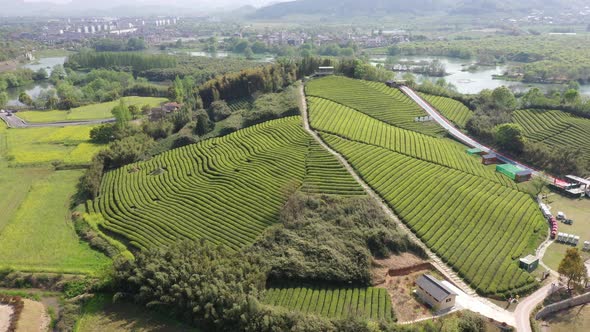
(44, 145)
(240, 104)
(39, 235)
(325, 174)
(450, 109)
(227, 190)
(472, 218)
(89, 112)
(351, 302)
(340, 120)
(556, 129)
(374, 99)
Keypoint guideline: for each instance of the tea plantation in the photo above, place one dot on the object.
(472, 218)
(366, 302)
(556, 129)
(375, 100)
(226, 190)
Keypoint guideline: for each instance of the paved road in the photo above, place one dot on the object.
(481, 306)
(16, 122)
(527, 305)
(448, 126)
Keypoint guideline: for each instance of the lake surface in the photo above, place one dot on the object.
(46, 63)
(471, 82)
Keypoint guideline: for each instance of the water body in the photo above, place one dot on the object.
(471, 82)
(46, 63)
(34, 89)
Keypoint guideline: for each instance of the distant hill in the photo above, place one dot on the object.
(352, 8)
(349, 8)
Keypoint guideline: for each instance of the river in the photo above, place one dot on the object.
(471, 82)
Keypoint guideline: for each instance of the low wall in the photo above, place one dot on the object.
(565, 304)
(410, 269)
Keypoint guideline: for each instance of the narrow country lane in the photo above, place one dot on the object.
(527, 305)
(448, 126)
(14, 121)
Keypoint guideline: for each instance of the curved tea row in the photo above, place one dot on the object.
(367, 302)
(226, 190)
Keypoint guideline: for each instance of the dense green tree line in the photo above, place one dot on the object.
(119, 45)
(137, 62)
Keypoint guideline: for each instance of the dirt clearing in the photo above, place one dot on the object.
(5, 313)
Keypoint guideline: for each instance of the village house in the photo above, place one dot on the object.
(434, 293)
(158, 113)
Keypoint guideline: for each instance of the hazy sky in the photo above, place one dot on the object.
(181, 2)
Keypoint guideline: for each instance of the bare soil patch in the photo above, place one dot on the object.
(5, 314)
(33, 318)
(381, 267)
(398, 275)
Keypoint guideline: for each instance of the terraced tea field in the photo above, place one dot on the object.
(472, 218)
(556, 129)
(375, 100)
(371, 303)
(337, 119)
(227, 190)
(449, 108)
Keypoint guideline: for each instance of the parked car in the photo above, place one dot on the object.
(560, 216)
(568, 221)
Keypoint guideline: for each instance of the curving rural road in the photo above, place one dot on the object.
(14, 121)
(448, 126)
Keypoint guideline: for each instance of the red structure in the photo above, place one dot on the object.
(553, 223)
(489, 159)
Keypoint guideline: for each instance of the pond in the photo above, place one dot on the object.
(34, 89)
(471, 82)
(47, 63)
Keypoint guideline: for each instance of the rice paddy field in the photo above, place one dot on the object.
(89, 112)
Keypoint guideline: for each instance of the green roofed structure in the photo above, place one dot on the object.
(475, 151)
(514, 172)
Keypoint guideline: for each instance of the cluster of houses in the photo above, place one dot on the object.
(369, 40)
(71, 30)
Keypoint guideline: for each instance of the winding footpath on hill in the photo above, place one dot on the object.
(467, 297)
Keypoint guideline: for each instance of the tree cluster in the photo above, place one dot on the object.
(330, 239)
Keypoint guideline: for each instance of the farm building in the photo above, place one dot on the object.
(576, 186)
(489, 159)
(434, 293)
(529, 263)
(395, 83)
(325, 71)
(515, 173)
(476, 151)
